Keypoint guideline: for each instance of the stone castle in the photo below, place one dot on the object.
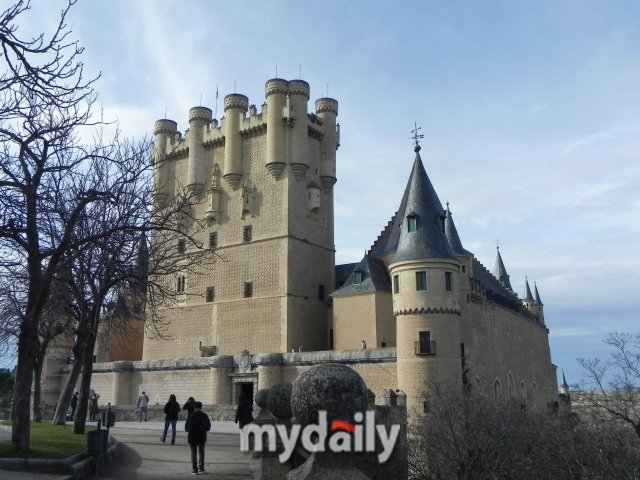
(276, 303)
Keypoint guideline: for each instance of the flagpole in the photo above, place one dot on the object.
(216, 115)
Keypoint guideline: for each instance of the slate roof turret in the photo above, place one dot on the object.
(527, 292)
(500, 272)
(421, 202)
(537, 295)
(452, 235)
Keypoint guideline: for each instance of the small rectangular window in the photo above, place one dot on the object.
(331, 339)
(421, 280)
(321, 293)
(412, 224)
(248, 289)
(211, 294)
(357, 278)
(447, 281)
(181, 284)
(396, 284)
(463, 269)
(247, 233)
(182, 246)
(213, 239)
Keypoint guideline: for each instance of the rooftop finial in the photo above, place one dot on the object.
(497, 244)
(416, 137)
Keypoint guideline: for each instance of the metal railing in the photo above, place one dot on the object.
(425, 348)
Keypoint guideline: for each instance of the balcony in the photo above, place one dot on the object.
(425, 348)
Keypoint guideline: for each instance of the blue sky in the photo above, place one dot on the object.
(530, 111)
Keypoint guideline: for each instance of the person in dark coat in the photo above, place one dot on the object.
(198, 424)
(73, 404)
(189, 406)
(243, 412)
(171, 409)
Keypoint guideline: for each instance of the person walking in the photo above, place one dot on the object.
(73, 404)
(171, 409)
(189, 406)
(198, 424)
(243, 414)
(143, 406)
(94, 408)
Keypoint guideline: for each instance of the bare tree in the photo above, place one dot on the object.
(611, 388)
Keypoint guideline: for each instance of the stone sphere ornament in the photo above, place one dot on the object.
(279, 400)
(335, 388)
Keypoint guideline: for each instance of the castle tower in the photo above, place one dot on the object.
(235, 106)
(528, 299)
(539, 306)
(424, 274)
(199, 117)
(164, 133)
(271, 227)
(500, 272)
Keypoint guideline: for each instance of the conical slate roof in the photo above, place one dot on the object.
(527, 292)
(500, 272)
(537, 295)
(564, 381)
(452, 235)
(421, 201)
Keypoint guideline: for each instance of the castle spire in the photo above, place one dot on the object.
(527, 291)
(537, 295)
(421, 218)
(452, 235)
(500, 272)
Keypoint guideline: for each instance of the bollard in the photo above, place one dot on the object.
(94, 442)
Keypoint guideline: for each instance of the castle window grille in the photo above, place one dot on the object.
(424, 346)
(447, 281)
(247, 233)
(213, 239)
(211, 294)
(182, 246)
(248, 289)
(396, 284)
(321, 293)
(421, 280)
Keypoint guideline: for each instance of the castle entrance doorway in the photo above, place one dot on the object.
(246, 388)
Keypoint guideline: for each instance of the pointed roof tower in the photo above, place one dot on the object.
(500, 272)
(537, 295)
(452, 235)
(527, 292)
(421, 219)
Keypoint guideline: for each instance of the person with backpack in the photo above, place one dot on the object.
(171, 409)
(198, 424)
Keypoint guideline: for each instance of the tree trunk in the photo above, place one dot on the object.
(37, 389)
(83, 401)
(20, 433)
(65, 396)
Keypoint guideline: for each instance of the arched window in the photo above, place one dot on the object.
(523, 392)
(497, 389)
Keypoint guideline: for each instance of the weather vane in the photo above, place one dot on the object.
(415, 136)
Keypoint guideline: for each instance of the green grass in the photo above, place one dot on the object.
(48, 441)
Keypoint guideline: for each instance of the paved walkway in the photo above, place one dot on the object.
(142, 456)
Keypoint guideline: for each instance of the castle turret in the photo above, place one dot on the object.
(500, 272)
(235, 106)
(298, 98)
(539, 306)
(528, 299)
(276, 93)
(327, 110)
(164, 133)
(424, 274)
(199, 117)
